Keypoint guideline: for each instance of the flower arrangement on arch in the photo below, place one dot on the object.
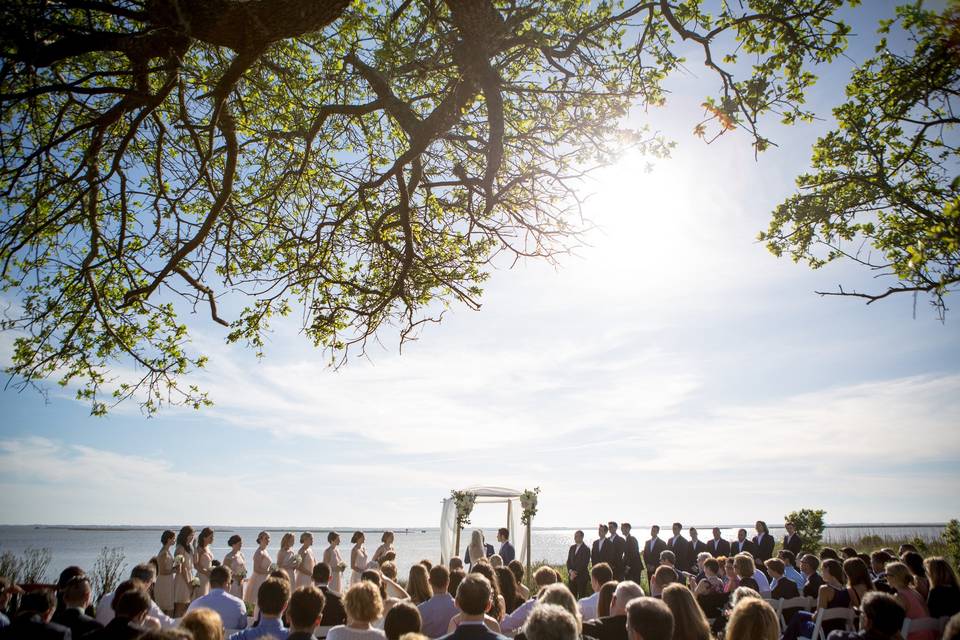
(464, 501)
(528, 500)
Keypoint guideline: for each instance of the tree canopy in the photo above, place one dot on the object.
(363, 162)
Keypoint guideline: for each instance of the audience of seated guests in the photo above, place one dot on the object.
(75, 595)
(832, 594)
(663, 576)
(517, 568)
(689, 623)
(944, 598)
(551, 622)
(914, 562)
(474, 599)
(790, 570)
(743, 563)
(753, 619)
(878, 564)
(305, 612)
(649, 619)
(560, 595)
(418, 584)
(436, 613)
(605, 598)
(542, 578)
(508, 589)
(858, 579)
(613, 626)
(131, 606)
(900, 578)
(33, 620)
(364, 604)
(403, 618)
(881, 618)
(711, 581)
(272, 598)
(600, 574)
(146, 574)
(203, 624)
(333, 611)
(232, 610)
(456, 577)
(808, 566)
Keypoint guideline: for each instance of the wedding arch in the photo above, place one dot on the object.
(521, 508)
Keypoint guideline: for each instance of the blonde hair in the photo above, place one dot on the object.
(689, 623)
(753, 619)
(744, 565)
(287, 541)
(363, 603)
(476, 550)
(900, 572)
(204, 624)
(561, 596)
(496, 560)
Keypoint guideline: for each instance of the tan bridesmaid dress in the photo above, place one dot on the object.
(237, 564)
(182, 587)
(163, 589)
(305, 570)
(331, 556)
(287, 564)
(204, 562)
(261, 569)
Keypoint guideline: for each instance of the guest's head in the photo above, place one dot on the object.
(899, 575)
(561, 596)
(219, 577)
(741, 593)
(741, 534)
(167, 537)
(363, 602)
(206, 537)
(689, 623)
(426, 564)
(508, 588)
(753, 619)
(551, 622)
(605, 597)
(473, 595)
(185, 538)
(203, 624)
(439, 579)
(263, 539)
(389, 569)
(42, 603)
(145, 573)
(357, 537)
(654, 531)
(133, 603)
(305, 609)
(829, 553)
(809, 564)
(848, 552)
(321, 573)
(649, 619)
(387, 537)
(702, 557)
(914, 562)
(272, 597)
(402, 618)
(857, 573)
(418, 584)
(77, 592)
(677, 528)
(664, 575)
(503, 534)
(544, 576)
(774, 567)
(280, 574)
(625, 592)
(600, 573)
(456, 577)
(881, 615)
(578, 536)
(496, 560)
(235, 542)
(668, 557)
(306, 538)
(905, 547)
(374, 577)
(729, 569)
(744, 565)
(456, 563)
(788, 557)
(762, 527)
(516, 567)
(711, 567)
(940, 572)
(832, 569)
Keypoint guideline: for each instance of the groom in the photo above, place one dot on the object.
(506, 549)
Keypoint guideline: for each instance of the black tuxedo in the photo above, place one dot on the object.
(764, 549)
(606, 628)
(739, 547)
(33, 627)
(618, 547)
(696, 548)
(632, 559)
(473, 632)
(651, 558)
(604, 554)
(793, 543)
(578, 559)
(333, 611)
(719, 547)
(681, 550)
(812, 588)
(77, 621)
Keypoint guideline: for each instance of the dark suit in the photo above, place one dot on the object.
(598, 554)
(651, 558)
(333, 611)
(786, 589)
(606, 628)
(764, 549)
(719, 547)
(812, 588)
(117, 629)
(473, 632)
(618, 547)
(632, 559)
(77, 621)
(578, 559)
(33, 627)
(793, 543)
(681, 550)
(739, 547)
(696, 548)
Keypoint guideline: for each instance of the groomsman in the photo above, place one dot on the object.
(651, 551)
(618, 547)
(578, 561)
(765, 543)
(742, 544)
(697, 546)
(792, 541)
(631, 555)
(718, 546)
(680, 547)
(599, 552)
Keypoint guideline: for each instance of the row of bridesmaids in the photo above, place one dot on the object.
(183, 574)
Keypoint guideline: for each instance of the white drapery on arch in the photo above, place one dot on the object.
(485, 495)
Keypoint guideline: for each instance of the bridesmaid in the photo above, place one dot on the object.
(331, 556)
(261, 568)
(305, 567)
(203, 561)
(235, 561)
(387, 546)
(286, 559)
(183, 578)
(358, 557)
(163, 588)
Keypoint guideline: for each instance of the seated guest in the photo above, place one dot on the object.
(829, 553)
(305, 612)
(364, 604)
(146, 574)
(613, 626)
(689, 623)
(605, 598)
(203, 624)
(551, 622)
(858, 579)
(456, 577)
(944, 598)
(663, 576)
(232, 610)
(436, 613)
(600, 573)
(790, 568)
(496, 561)
(418, 584)
(847, 552)
(881, 618)
(76, 595)
(473, 600)
(33, 620)
(878, 563)
(901, 579)
(781, 587)
(753, 619)
(499, 606)
(743, 563)
(731, 581)
(516, 567)
(560, 595)
(914, 562)
(272, 598)
(833, 594)
(455, 563)
(508, 589)
(808, 566)
(403, 618)
(543, 577)
(711, 582)
(649, 619)
(131, 607)
(333, 612)
(701, 558)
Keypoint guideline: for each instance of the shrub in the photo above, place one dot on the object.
(107, 571)
(951, 538)
(810, 526)
(34, 565)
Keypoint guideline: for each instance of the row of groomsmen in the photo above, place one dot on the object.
(628, 558)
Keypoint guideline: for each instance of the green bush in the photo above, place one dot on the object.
(951, 539)
(810, 526)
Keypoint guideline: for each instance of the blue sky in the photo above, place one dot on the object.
(673, 369)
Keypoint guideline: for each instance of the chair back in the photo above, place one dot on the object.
(846, 614)
(915, 625)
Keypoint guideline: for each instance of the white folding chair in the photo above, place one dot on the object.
(826, 615)
(915, 625)
(321, 632)
(777, 608)
(800, 602)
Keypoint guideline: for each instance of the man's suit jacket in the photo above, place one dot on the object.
(812, 588)
(34, 628)
(719, 547)
(473, 632)
(793, 543)
(618, 547)
(747, 545)
(764, 549)
(77, 621)
(786, 589)
(598, 554)
(578, 559)
(696, 548)
(651, 558)
(606, 628)
(632, 559)
(681, 550)
(333, 611)
(507, 552)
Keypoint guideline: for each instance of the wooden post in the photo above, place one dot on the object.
(457, 547)
(529, 577)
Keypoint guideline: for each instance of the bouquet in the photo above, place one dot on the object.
(299, 559)
(240, 574)
(195, 582)
(341, 566)
(273, 567)
(528, 500)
